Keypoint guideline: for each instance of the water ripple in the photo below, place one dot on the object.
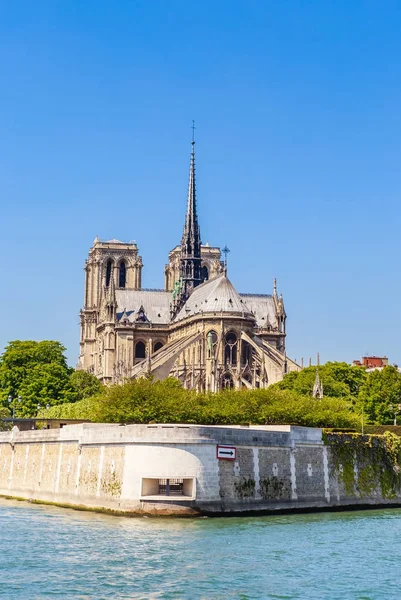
(47, 552)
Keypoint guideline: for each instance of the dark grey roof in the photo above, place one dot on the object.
(156, 304)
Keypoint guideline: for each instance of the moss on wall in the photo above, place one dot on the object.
(245, 488)
(274, 488)
(111, 486)
(366, 465)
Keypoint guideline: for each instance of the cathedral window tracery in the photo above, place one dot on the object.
(211, 344)
(227, 381)
(230, 348)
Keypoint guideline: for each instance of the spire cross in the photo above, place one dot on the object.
(225, 251)
(193, 131)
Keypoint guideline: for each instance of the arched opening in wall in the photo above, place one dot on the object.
(230, 348)
(211, 341)
(140, 350)
(122, 275)
(227, 382)
(204, 273)
(157, 346)
(109, 271)
(246, 353)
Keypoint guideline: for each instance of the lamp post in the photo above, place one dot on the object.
(11, 402)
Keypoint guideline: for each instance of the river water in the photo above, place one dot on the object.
(48, 552)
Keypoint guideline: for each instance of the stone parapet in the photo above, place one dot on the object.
(179, 469)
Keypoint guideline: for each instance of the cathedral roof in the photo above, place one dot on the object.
(216, 295)
(152, 304)
(263, 307)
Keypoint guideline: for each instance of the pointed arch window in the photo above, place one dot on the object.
(230, 349)
(122, 275)
(109, 271)
(140, 350)
(227, 382)
(211, 339)
(157, 346)
(246, 354)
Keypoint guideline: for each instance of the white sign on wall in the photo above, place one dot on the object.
(226, 452)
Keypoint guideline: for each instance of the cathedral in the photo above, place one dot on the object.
(198, 329)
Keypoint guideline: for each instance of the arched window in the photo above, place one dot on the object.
(230, 349)
(246, 354)
(227, 381)
(211, 340)
(157, 346)
(204, 273)
(109, 271)
(122, 275)
(140, 350)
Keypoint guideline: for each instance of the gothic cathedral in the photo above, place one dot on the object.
(199, 329)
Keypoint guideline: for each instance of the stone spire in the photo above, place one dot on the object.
(317, 391)
(190, 261)
(190, 267)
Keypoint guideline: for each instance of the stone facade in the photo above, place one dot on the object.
(198, 329)
(126, 468)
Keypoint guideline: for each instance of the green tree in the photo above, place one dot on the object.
(38, 373)
(147, 401)
(340, 380)
(85, 384)
(380, 390)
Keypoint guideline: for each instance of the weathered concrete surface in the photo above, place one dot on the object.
(112, 467)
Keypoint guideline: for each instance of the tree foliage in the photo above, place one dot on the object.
(38, 374)
(85, 384)
(145, 401)
(340, 380)
(380, 395)
(373, 393)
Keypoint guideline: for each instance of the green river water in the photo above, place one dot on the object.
(48, 552)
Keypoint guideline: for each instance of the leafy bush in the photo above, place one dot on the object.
(145, 401)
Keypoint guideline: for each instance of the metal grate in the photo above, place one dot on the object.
(171, 487)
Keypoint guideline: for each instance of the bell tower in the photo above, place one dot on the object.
(110, 264)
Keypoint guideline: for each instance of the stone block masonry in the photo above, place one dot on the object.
(174, 469)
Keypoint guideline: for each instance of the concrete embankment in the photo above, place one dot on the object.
(181, 469)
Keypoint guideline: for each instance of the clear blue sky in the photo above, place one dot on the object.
(297, 107)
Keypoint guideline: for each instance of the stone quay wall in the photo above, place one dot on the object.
(124, 469)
